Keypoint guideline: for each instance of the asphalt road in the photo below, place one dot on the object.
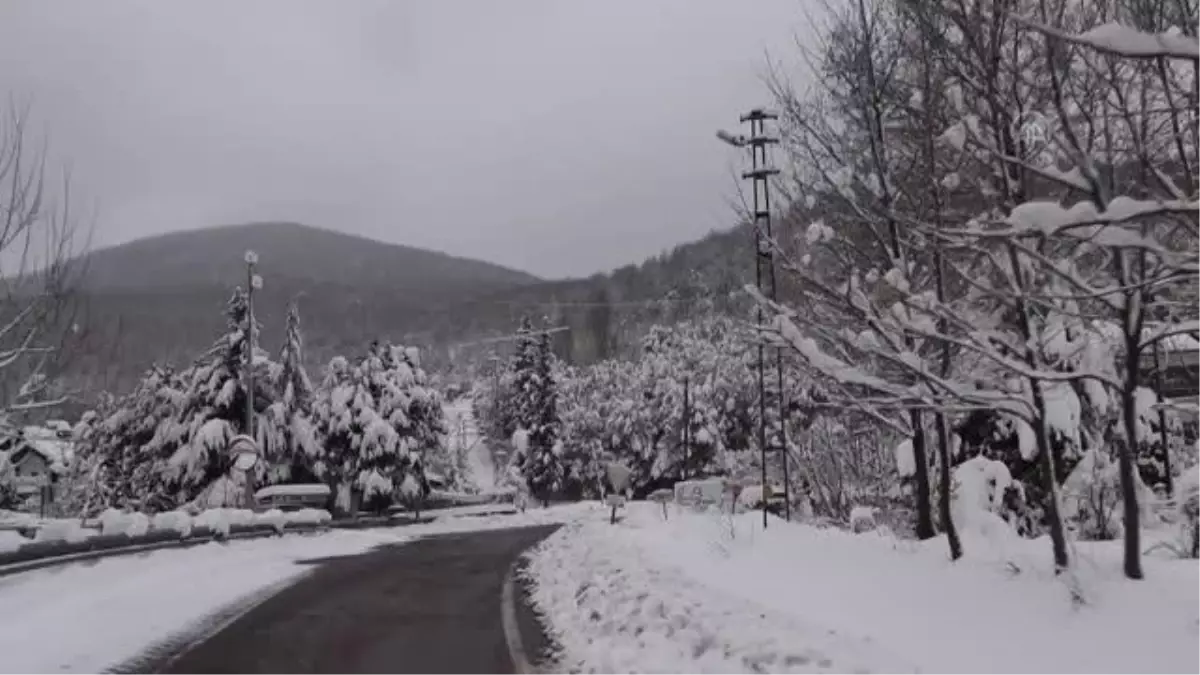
(431, 606)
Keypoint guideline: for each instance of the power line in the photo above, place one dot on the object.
(615, 303)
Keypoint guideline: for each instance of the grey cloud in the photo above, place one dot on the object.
(557, 137)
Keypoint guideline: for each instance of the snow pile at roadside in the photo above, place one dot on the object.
(614, 607)
(702, 592)
(69, 531)
(134, 524)
(475, 518)
(10, 540)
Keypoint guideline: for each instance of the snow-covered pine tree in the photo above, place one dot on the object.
(542, 467)
(121, 442)
(291, 440)
(413, 406)
(375, 419)
(8, 486)
(339, 425)
(521, 412)
(86, 489)
(213, 411)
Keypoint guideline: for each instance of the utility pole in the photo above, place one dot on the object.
(687, 429)
(759, 176)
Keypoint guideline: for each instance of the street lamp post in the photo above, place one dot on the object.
(253, 283)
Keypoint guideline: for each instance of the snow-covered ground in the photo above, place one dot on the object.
(92, 616)
(464, 432)
(706, 593)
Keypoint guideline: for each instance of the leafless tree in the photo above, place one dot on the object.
(40, 270)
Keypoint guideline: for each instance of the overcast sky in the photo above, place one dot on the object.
(557, 137)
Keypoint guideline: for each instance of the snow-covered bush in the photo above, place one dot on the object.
(1187, 499)
(1091, 497)
(862, 519)
(376, 418)
(979, 491)
(64, 530)
(275, 518)
(309, 517)
(172, 521)
(113, 521)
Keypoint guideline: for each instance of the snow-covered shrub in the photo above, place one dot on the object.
(138, 524)
(11, 540)
(1187, 500)
(177, 521)
(1091, 498)
(67, 530)
(274, 518)
(113, 521)
(309, 517)
(979, 490)
(220, 521)
(862, 519)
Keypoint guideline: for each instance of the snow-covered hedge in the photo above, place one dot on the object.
(117, 529)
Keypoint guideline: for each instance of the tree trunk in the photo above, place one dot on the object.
(944, 488)
(1132, 518)
(1041, 428)
(1058, 538)
(925, 529)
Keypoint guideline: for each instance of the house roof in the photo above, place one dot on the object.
(57, 452)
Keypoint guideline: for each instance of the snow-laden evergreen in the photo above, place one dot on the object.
(291, 440)
(121, 442)
(533, 412)
(213, 410)
(377, 420)
(633, 410)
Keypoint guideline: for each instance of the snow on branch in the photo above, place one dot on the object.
(1113, 38)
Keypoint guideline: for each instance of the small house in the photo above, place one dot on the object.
(39, 455)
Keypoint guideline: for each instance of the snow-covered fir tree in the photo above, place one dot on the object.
(291, 440)
(8, 484)
(634, 410)
(213, 411)
(543, 466)
(121, 439)
(376, 419)
(523, 392)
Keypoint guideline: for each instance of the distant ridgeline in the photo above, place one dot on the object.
(159, 300)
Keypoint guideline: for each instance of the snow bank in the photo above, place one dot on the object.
(615, 608)
(220, 520)
(862, 518)
(709, 593)
(115, 521)
(309, 517)
(178, 521)
(298, 490)
(63, 530)
(11, 541)
(274, 517)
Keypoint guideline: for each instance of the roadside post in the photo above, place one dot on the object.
(618, 478)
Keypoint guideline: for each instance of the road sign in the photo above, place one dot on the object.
(699, 493)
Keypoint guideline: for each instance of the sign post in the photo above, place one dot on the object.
(244, 452)
(618, 478)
